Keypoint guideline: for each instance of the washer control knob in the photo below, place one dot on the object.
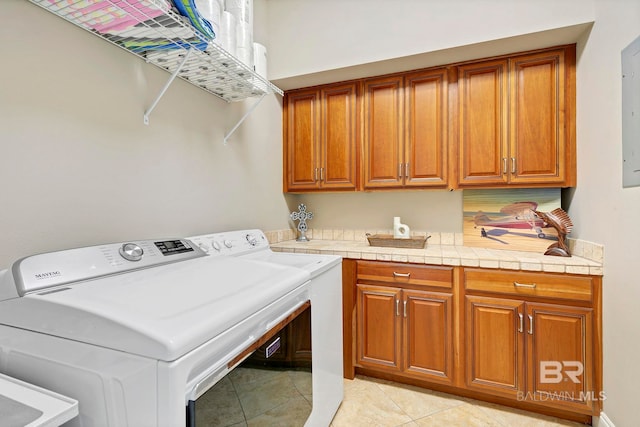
(228, 243)
(131, 252)
(216, 245)
(251, 239)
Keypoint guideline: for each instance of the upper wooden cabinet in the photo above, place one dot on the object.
(405, 130)
(482, 133)
(538, 103)
(302, 139)
(321, 138)
(517, 121)
(383, 139)
(426, 108)
(339, 137)
(501, 122)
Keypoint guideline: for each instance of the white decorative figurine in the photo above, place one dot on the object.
(302, 215)
(400, 231)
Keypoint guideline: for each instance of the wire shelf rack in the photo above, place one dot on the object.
(153, 31)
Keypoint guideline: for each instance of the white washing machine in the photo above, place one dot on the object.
(138, 332)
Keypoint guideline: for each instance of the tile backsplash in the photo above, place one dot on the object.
(580, 248)
(277, 236)
(585, 249)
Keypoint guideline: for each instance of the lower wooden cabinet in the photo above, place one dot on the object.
(560, 356)
(378, 327)
(532, 340)
(428, 335)
(300, 337)
(530, 351)
(494, 344)
(405, 331)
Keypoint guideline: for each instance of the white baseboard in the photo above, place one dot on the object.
(602, 421)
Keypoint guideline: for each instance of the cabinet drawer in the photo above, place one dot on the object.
(519, 283)
(399, 273)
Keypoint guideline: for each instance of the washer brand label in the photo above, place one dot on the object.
(272, 348)
(47, 275)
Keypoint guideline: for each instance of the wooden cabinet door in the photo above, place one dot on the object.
(300, 331)
(560, 356)
(382, 132)
(301, 153)
(482, 123)
(495, 346)
(537, 118)
(428, 335)
(426, 110)
(378, 335)
(339, 137)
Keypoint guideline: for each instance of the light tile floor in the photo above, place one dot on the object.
(250, 397)
(269, 398)
(380, 403)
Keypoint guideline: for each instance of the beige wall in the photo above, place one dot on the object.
(79, 167)
(602, 210)
(310, 36)
(433, 210)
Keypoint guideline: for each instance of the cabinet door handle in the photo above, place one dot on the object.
(315, 175)
(406, 170)
(530, 325)
(399, 170)
(404, 304)
(524, 285)
(397, 307)
(407, 275)
(513, 165)
(321, 174)
(504, 165)
(521, 326)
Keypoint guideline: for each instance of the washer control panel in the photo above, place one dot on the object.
(43, 271)
(231, 242)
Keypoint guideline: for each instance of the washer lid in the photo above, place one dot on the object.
(313, 263)
(161, 312)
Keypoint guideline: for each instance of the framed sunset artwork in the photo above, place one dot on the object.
(505, 218)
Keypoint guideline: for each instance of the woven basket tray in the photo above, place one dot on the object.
(387, 240)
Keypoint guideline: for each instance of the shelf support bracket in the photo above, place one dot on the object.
(253, 107)
(166, 86)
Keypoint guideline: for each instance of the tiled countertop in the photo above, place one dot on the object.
(439, 254)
